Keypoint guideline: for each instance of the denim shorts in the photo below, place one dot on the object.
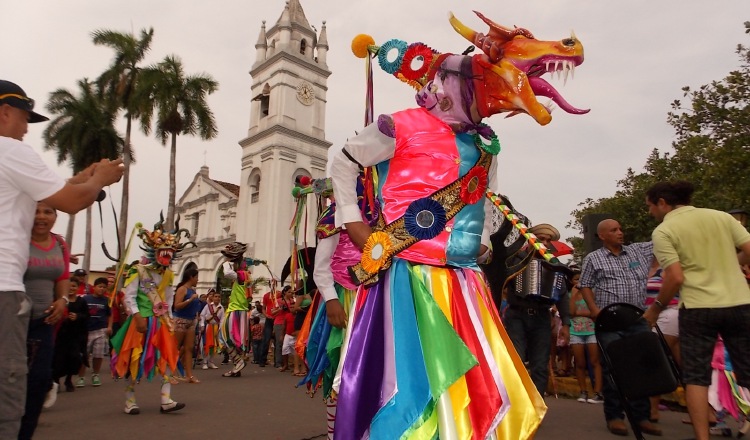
(582, 340)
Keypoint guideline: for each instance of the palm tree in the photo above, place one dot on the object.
(119, 83)
(83, 133)
(181, 108)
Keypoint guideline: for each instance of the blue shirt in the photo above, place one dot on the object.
(98, 312)
(618, 278)
(191, 310)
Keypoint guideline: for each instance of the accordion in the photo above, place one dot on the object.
(540, 282)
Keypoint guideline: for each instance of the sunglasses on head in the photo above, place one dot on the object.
(29, 102)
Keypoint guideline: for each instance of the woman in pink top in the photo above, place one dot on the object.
(46, 282)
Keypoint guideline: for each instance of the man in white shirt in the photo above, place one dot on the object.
(25, 180)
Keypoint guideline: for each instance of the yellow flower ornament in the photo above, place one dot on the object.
(376, 252)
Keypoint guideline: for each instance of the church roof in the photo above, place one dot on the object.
(231, 187)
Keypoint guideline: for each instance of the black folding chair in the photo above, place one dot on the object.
(639, 365)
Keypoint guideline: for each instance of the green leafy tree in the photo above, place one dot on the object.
(711, 150)
(119, 83)
(179, 101)
(82, 132)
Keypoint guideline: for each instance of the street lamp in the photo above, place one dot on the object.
(740, 215)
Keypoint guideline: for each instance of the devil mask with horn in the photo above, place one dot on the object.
(505, 78)
(160, 247)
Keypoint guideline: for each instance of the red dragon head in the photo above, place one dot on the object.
(508, 76)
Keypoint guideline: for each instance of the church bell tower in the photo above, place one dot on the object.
(286, 136)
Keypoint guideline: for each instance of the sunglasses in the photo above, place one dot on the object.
(29, 102)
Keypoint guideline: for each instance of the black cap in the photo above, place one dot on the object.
(80, 273)
(14, 96)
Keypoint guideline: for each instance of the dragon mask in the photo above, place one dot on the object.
(161, 248)
(505, 78)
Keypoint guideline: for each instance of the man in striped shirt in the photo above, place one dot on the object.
(618, 273)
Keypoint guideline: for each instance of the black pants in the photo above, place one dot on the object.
(40, 352)
(265, 343)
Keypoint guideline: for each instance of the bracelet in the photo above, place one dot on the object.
(67, 301)
(659, 304)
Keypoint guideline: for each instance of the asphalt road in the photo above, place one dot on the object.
(262, 404)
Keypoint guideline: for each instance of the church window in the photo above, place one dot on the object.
(265, 100)
(302, 46)
(255, 187)
(196, 222)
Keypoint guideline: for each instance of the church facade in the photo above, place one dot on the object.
(285, 140)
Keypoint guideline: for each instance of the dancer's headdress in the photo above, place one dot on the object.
(160, 247)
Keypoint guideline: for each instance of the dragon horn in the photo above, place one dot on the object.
(161, 221)
(462, 29)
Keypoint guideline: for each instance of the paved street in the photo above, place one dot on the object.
(262, 404)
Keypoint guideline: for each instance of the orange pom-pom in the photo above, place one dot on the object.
(360, 45)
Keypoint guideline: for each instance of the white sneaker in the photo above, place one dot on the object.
(204, 367)
(51, 397)
(132, 409)
(212, 366)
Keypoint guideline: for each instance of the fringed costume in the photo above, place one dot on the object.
(425, 354)
(320, 341)
(145, 345)
(234, 327)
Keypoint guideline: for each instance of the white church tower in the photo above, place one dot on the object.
(286, 137)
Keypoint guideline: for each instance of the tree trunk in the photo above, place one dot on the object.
(87, 247)
(69, 231)
(169, 224)
(122, 229)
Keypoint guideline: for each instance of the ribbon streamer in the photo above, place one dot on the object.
(522, 228)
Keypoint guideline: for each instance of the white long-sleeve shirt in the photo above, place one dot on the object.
(322, 274)
(207, 318)
(131, 292)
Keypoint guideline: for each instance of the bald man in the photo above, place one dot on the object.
(618, 273)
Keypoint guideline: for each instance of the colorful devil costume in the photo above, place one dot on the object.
(426, 354)
(335, 252)
(234, 328)
(152, 349)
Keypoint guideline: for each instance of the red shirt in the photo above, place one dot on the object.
(289, 323)
(84, 288)
(117, 307)
(269, 303)
(257, 332)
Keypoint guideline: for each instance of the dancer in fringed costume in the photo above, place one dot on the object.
(234, 328)
(145, 346)
(210, 319)
(426, 355)
(335, 252)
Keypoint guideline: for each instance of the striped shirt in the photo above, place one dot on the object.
(618, 278)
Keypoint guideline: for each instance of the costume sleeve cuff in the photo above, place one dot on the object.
(348, 214)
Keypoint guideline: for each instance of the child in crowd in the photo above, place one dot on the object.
(287, 348)
(583, 343)
(70, 342)
(210, 318)
(98, 331)
(256, 330)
